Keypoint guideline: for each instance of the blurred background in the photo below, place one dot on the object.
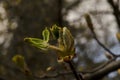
(27, 18)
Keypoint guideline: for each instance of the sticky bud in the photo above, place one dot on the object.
(108, 55)
(89, 21)
(118, 36)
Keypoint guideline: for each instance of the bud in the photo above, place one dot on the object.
(89, 21)
(20, 62)
(118, 36)
(109, 56)
(118, 71)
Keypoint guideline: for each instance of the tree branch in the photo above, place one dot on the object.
(90, 26)
(76, 3)
(114, 65)
(115, 11)
(97, 68)
(73, 5)
(97, 75)
(78, 77)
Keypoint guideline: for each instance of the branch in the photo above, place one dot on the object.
(76, 3)
(74, 71)
(73, 5)
(115, 11)
(110, 67)
(114, 65)
(98, 68)
(100, 12)
(45, 76)
(90, 26)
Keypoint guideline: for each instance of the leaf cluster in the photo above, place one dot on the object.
(65, 42)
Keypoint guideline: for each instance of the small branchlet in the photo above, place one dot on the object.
(90, 26)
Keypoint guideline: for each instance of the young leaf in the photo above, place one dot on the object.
(39, 43)
(66, 43)
(46, 34)
(55, 31)
(60, 40)
(68, 40)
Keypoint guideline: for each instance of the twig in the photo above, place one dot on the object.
(115, 11)
(89, 75)
(52, 76)
(98, 68)
(74, 71)
(94, 13)
(94, 35)
(114, 65)
(90, 25)
(73, 5)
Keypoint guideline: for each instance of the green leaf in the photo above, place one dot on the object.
(68, 40)
(55, 31)
(39, 43)
(60, 41)
(66, 44)
(46, 34)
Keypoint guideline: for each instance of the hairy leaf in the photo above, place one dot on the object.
(39, 43)
(46, 34)
(55, 31)
(68, 40)
(66, 43)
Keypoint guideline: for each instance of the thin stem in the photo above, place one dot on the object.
(94, 35)
(115, 11)
(99, 67)
(55, 48)
(90, 26)
(74, 71)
